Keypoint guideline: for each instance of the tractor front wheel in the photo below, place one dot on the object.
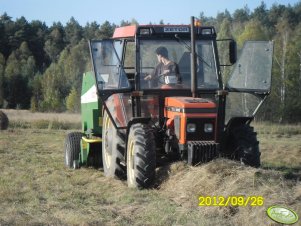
(72, 149)
(141, 157)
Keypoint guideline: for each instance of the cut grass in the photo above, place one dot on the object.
(37, 189)
(225, 178)
(280, 145)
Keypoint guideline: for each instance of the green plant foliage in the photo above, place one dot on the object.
(72, 101)
(253, 31)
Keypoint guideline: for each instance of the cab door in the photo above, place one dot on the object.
(250, 82)
(109, 73)
(112, 84)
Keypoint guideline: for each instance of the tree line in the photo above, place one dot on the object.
(41, 67)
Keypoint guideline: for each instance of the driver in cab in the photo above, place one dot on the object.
(166, 72)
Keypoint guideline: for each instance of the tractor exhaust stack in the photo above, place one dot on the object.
(192, 54)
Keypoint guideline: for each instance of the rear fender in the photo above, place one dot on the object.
(136, 120)
(237, 121)
(233, 123)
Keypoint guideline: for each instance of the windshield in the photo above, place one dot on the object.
(166, 64)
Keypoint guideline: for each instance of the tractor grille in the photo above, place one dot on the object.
(202, 151)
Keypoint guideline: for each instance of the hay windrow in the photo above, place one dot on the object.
(226, 178)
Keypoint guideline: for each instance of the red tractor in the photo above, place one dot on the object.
(147, 113)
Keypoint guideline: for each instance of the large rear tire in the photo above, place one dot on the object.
(244, 145)
(3, 121)
(141, 157)
(113, 149)
(72, 149)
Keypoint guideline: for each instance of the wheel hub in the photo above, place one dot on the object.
(131, 164)
(108, 143)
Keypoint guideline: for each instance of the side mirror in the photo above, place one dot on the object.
(227, 50)
(232, 52)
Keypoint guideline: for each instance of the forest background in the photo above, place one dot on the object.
(41, 66)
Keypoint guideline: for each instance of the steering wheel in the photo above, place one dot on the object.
(161, 79)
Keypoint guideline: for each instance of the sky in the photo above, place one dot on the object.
(114, 11)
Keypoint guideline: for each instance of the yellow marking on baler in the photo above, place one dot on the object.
(94, 140)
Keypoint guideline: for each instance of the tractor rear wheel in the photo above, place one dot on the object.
(72, 149)
(3, 121)
(113, 147)
(141, 157)
(244, 145)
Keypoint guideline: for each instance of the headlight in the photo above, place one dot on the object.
(208, 128)
(191, 128)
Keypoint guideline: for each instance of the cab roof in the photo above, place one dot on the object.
(162, 30)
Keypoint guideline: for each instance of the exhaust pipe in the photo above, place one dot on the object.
(193, 60)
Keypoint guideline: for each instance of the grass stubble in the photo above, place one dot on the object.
(37, 189)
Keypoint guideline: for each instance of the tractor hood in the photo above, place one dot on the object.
(189, 105)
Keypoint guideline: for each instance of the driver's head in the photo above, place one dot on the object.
(162, 51)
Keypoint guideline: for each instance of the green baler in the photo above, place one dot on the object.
(84, 149)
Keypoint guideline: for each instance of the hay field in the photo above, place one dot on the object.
(36, 188)
(37, 120)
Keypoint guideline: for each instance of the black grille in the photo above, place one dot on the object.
(202, 151)
(200, 134)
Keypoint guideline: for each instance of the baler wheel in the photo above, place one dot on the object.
(3, 121)
(72, 149)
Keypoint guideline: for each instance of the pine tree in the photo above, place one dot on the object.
(106, 30)
(74, 32)
(2, 67)
(91, 31)
(55, 42)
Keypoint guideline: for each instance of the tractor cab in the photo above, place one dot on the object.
(134, 47)
(123, 63)
(157, 92)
